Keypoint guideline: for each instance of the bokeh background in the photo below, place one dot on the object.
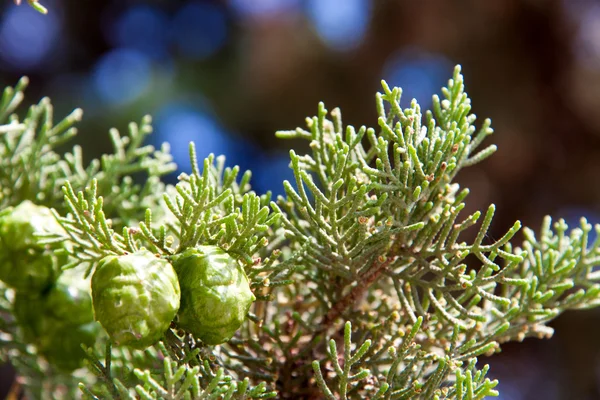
(228, 74)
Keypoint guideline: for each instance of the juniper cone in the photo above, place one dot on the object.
(135, 297)
(67, 302)
(25, 263)
(215, 293)
(59, 320)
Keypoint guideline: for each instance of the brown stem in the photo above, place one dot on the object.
(363, 283)
(289, 386)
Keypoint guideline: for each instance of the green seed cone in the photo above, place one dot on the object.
(215, 294)
(59, 321)
(66, 303)
(25, 264)
(135, 297)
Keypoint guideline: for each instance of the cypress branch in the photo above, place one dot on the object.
(364, 284)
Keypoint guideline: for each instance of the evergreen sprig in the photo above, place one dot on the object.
(89, 230)
(383, 218)
(559, 273)
(212, 207)
(125, 199)
(207, 207)
(411, 372)
(191, 378)
(346, 380)
(396, 219)
(365, 284)
(31, 168)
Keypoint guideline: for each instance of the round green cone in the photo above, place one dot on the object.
(135, 297)
(215, 294)
(25, 264)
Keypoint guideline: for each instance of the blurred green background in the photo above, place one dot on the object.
(228, 74)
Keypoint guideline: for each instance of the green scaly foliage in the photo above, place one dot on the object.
(365, 285)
